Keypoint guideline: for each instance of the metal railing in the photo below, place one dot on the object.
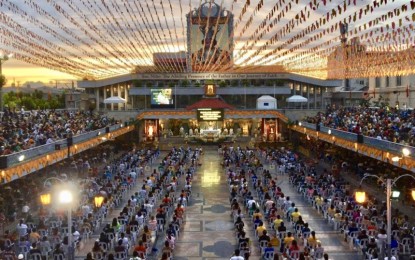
(19, 157)
(374, 142)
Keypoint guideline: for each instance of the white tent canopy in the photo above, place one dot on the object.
(266, 102)
(297, 99)
(114, 100)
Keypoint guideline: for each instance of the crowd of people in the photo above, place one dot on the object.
(384, 123)
(254, 192)
(142, 229)
(155, 211)
(23, 130)
(279, 228)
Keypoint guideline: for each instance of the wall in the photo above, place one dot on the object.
(122, 115)
(299, 114)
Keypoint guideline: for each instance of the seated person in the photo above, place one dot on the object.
(264, 237)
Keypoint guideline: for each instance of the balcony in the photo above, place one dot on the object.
(380, 149)
(15, 159)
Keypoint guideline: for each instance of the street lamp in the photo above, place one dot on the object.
(65, 198)
(360, 197)
(98, 200)
(3, 58)
(405, 153)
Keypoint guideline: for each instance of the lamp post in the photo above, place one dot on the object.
(64, 197)
(360, 197)
(3, 58)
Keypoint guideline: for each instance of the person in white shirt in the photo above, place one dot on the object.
(21, 228)
(236, 255)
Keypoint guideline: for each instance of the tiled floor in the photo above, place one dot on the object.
(208, 232)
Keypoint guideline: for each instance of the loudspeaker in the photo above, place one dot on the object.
(360, 138)
(107, 129)
(57, 147)
(69, 141)
(3, 162)
(318, 127)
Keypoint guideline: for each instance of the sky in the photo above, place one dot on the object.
(73, 39)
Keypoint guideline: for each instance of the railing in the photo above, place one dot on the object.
(374, 142)
(16, 158)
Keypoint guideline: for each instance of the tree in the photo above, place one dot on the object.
(3, 81)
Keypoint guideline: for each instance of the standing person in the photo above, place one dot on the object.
(236, 256)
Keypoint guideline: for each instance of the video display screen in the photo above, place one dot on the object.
(209, 114)
(161, 98)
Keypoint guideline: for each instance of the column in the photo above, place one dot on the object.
(321, 93)
(105, 96)
(112, 94)
(126, 96)
(315, 97)
(97, 99)
(118, 94)
(308, 96)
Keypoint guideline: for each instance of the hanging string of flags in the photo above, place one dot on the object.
(94, 39)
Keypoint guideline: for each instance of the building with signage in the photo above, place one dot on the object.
(201, 97)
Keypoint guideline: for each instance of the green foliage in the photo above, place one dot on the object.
(171, 84)
(210, 81)
(33, 101)
(222, 84)
(269, 83)
(137, 83)
(234, 83)
(185, 83)
(149, 84)
(3, 81)
(246, 82)
(197, 85)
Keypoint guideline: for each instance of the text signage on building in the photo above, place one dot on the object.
(209, 114)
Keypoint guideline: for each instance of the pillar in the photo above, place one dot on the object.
(118, 94)
(315, 97)
(97, 99)
(126, 96)
(308, 96)
(321, 94)
(105, 96)
(112, 94)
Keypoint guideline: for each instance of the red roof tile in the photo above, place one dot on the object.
(210, 103)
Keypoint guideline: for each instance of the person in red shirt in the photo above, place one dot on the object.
(140, 247)
(166, 201)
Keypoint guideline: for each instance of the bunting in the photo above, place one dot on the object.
(94, 39)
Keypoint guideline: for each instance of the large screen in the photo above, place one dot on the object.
(209, 114)
(162, 98)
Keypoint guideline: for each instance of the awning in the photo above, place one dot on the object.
(114, 100)
(296, 99)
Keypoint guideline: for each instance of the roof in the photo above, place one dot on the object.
(210, 103)
(266, 97)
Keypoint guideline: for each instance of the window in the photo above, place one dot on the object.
(266, 104)
(398, 81)
(387, 81)
(377, 82)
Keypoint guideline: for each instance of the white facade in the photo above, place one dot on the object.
(399, 90)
